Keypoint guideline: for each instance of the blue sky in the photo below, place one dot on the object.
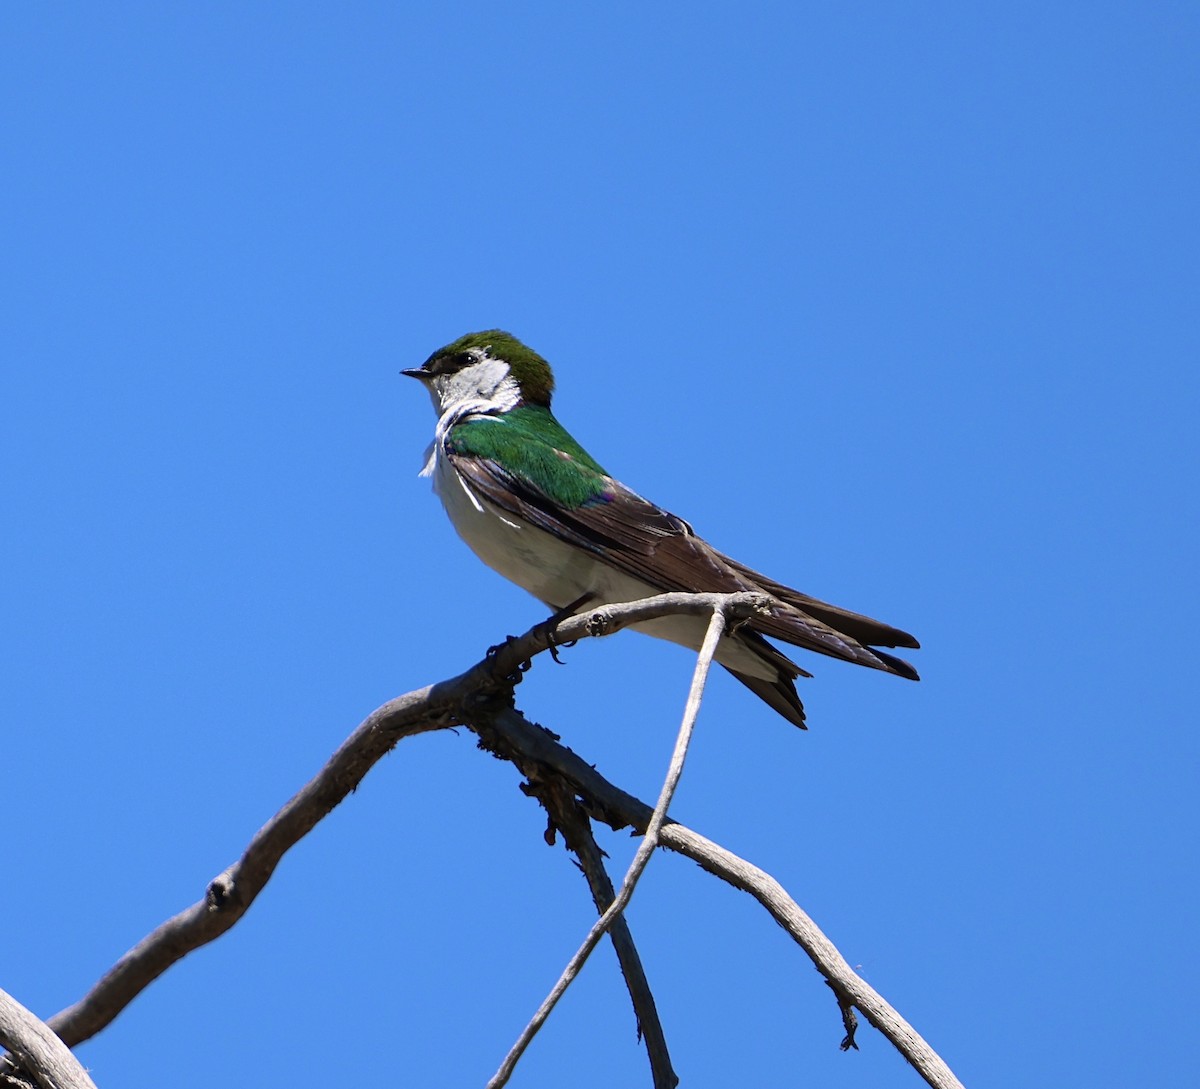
(895, 303)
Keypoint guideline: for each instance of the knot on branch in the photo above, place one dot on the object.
(222, 892)
(744, 605)
(599, 623)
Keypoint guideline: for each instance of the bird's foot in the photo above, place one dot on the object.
(551, 622)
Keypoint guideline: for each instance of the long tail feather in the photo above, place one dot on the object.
(779, 694)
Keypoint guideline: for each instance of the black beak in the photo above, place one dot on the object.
(416, 372)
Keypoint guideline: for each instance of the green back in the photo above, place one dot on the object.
(534, 447)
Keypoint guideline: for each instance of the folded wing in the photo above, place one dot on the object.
(653, 545)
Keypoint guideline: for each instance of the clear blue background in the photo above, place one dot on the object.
(895, 302)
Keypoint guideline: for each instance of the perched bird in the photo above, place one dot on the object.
(537, 508)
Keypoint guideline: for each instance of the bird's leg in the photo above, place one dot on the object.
(550, 623)
(569, 610)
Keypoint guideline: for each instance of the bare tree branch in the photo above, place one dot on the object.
(477, 698)
(38, 1050)
(436, 706)
(641, 857)
(619, 809)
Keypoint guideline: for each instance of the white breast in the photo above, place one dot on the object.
(554, 572)
(557, 573)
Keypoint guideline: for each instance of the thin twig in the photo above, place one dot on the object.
(641, 857)
(37, 1050)
(576, 827)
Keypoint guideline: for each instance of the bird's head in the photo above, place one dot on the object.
(492, 368)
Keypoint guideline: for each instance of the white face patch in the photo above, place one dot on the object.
(486, 385)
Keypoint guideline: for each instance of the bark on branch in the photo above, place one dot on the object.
(41, 1053)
